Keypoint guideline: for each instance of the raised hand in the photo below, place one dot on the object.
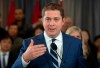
(33, 51)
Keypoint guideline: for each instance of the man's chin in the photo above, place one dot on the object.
(52, 35)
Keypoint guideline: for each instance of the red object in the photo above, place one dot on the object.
(11, 18)
(61, 3)
(36, 12)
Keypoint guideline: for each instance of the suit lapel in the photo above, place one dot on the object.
(46, 55)
(65, 49)
(9, 60)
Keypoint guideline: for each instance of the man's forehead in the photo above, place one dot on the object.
(18, 10)
(52, 15)
(52, 12)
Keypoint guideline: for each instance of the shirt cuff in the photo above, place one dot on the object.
(24, 64)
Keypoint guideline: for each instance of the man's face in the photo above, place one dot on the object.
(38, 31)
(67, 23)
(5, 45)
(19, 15)
(52, 22)
(13, 30)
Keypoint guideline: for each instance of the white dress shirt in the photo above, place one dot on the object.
(58, 42)
(6, 57)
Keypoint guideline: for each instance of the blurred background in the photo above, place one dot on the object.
(21, 19)
(84, 13)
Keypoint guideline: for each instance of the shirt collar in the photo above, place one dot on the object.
(7, 53)
(59, 37)
(47, 38)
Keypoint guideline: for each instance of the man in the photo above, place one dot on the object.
(20, 21)
(39, 22)
(19, 14)
(38, 30)
(36, 51)
(17, 41)
(7, 57)
(67, 23)
(24, 29)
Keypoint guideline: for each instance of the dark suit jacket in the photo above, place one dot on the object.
(11, 60)
(72, 54)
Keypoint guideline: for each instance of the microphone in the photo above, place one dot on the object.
(54, 48)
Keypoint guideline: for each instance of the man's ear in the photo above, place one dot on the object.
(63, 20)
(42, 20)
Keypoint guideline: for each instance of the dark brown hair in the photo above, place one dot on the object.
(53, 6)
(5, 35)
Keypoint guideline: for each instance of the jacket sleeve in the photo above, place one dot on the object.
(18, 62)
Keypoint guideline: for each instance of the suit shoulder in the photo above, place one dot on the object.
(70, 38)
(35, 38)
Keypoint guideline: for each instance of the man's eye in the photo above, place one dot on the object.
(56, 19)
(48, 19)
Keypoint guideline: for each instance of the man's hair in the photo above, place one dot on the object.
(5, 35)
(53, 6)
(13, 24)
(19, 8)
(39, 26)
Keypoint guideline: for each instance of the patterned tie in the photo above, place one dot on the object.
(53, 54)
(4, 65)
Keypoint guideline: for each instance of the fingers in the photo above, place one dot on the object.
(31, 43)
(38, 49)
(34, 51)
(35, 47)
(38, 52)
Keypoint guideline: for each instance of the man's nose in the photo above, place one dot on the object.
(52, 22)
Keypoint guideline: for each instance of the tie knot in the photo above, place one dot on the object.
(53, 40)
(4, 54)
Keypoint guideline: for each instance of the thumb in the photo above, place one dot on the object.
(32, 42)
